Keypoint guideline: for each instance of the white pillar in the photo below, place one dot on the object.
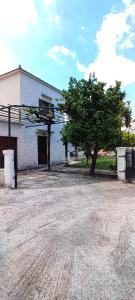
(9, 172)
(121, 163)
(68, 156)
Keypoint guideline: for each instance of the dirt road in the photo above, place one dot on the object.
(65, 236)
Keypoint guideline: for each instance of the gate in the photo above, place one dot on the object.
(1, 160)
(130, 164)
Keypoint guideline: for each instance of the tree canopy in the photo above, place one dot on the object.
(128, 139)
(95, 113)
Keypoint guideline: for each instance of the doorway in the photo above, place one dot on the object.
(42, 150)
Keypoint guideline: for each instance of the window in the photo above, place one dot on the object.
(46, 107)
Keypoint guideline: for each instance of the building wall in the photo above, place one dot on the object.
(10, 89)
(27, 151)
(21, 89)
(27, 147)
(31, 92)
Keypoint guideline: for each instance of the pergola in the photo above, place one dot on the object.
(31, 116)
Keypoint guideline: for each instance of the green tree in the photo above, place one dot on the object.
(96, 115)
(128, 139)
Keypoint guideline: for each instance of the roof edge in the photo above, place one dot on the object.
(20, 69)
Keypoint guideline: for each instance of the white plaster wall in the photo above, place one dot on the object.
(10, 89)
(1, 177)
(57, 148)
(27, 146)
(20, 89)
(27, 152)
(31, 91)
(71, 148)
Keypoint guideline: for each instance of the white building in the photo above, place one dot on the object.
(19, 87)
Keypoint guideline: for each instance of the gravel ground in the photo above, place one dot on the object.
(67, 236)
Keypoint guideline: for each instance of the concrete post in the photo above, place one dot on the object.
(121, 163)
(9, 172)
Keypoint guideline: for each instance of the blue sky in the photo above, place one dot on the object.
(56, 39)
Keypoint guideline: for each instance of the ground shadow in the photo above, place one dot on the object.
(35, 179)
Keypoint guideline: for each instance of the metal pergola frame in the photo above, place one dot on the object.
(11, 115)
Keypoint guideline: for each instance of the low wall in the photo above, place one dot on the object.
(1, 177)
(81, 154)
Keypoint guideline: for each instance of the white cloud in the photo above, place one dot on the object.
(111, 68)
(127, 2)
(16, 15)
(58, 50)
(81, 67)
(6, 59)
(49, 2)
(54, 19)
(116, 33)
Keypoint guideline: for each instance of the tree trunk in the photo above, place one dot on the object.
(93, 163)
(87, 152)
(66, 155)
(66, 151)
(76, 152)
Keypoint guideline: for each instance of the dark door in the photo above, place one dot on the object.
(7, 143)
(42, 150)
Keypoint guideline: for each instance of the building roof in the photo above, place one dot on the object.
(21, 70)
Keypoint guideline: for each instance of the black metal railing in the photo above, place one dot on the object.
(130, 164)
